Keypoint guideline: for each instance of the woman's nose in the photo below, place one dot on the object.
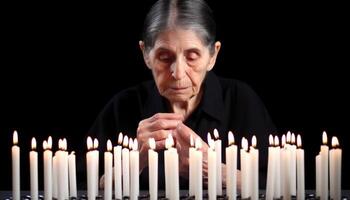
(178, 68)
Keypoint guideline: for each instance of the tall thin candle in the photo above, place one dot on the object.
(16, 192)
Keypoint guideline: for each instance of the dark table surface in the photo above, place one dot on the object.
(144, 195)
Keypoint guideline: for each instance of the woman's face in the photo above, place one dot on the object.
(179, 61)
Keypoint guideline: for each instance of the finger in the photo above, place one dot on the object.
(157, 135)
(185, 132)
(160, 145)
(170, 116)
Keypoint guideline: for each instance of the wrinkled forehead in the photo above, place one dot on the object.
(178, 39)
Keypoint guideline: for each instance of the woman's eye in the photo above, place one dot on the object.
(165, 57)
(192, 56)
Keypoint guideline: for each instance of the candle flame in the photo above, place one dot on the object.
(288, 137)
(125, 141)
(244, 144)
(95, 143)
(277, 141)
(15, 137)
(299, 141)
(130, 143)
(135, 145)
(283, 140)
(254, 141)
(152, 143)
(45, 145)
(335, 142)
(191, 141)
(72, 153)
(270, 140)
(49, 142)
(64, 144)
(211, 144)
(293, 138)
(59, 144)
(198, 143)
(89, 143)
(109, 145)
(169, 142)
(208, 137)
(120, 138)
(324, 138)
(216, 134)
(231, 138)
(33, 143)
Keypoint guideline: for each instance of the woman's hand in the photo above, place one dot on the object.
(159, 126)
(182, 135)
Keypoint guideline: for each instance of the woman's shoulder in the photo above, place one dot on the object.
(237, 87)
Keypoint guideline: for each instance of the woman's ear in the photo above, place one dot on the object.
(214, 55)
(144, 53)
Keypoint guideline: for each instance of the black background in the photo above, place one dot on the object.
(61, 63)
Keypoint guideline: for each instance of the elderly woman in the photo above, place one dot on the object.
(185, 98)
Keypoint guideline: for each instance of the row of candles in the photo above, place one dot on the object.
(285, 175)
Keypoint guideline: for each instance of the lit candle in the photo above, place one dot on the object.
(118, 168)
(324, 167)
(277, 161)
(173, 168)
(335, 157)
(33, 160)
(134, 171)
(231, 168)
(153, 169)
(72, 175)
(96, 162)
(108, 156)
(191, 167)
(15, 151)
(300, 171)
(90, 166)
(211, 169)
(62, 171)
(271, 169)
(125, 159)
(198, 170)
(218, 163)
(285, 169)
(54, 176)
(47, 169)
(245, 170)
(293, 170)
(254, 152)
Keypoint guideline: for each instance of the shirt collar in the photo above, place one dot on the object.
(212, 102)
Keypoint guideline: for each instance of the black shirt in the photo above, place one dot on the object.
(226, 105)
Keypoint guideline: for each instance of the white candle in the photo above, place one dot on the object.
(96, 162)
(318, 174)
(300, 171)
(173, 169)
(125, 159)
(271, 169)
(218, 147)
(293, 171)
(118, 168)
(90, 166)
(191, 167)
(153, 169)
(335, 157)
(277, 161)
(15, 151)
(33, 160)
(47, 169)
(54, 176)
(231, 168)
(62, 171)
(72, 175)
(285, 169)
(134, 171)
(211, 169)
(254, 152)
(245, 170)
(324, 167)
(108, 164)
(198, 170)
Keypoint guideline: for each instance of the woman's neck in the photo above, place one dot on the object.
(185, 108)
